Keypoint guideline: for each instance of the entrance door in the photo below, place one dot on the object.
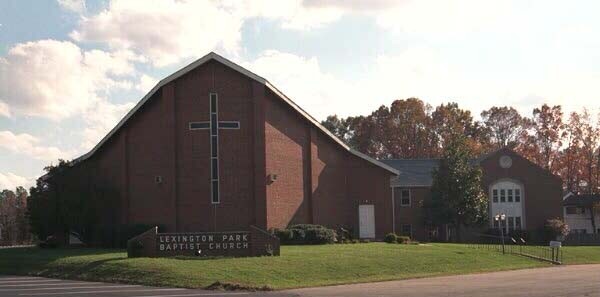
(366, 221)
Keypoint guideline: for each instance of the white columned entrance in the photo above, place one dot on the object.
(366, 221)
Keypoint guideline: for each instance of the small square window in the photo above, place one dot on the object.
(495, 195)
(502, 195)
(510, 195)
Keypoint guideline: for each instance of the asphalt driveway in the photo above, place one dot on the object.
(572, 281)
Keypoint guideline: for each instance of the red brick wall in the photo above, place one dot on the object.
(330, 202)
(109, 169)
(543, 191)
(286, 144)
(542, 194)
(369, 184)
(156, 141)
(413, 214)
(318, 180)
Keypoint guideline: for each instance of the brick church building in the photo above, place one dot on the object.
(215, 147)
(527, 194)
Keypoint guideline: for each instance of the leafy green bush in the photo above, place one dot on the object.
(403, 239)
(284, 235)
(556, 229)
(390, 238)
(344, 233)
(305, 234)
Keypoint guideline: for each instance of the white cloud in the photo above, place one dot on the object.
(169, 31)
(10, 181)
(4, 111)
(100, 119)
(77, 6)
(353, 5)
(303, 81)
(409, 74)
(56, 79)
(30, 146)
(419, 72)
(146, 83)
(163, 31)
(293, 14)
(442, 17)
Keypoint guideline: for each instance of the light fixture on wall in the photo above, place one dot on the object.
(271, 178)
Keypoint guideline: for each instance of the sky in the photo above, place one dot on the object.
(71, 69)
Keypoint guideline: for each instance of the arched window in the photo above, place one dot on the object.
(507, 197)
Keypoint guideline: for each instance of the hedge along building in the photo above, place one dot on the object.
(527, 194)
(215, 147)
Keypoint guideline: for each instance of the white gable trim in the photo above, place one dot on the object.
(244, 71)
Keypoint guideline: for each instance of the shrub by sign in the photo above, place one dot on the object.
(254, 242)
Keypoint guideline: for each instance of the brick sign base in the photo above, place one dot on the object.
(252, 243)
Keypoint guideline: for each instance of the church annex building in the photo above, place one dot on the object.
(215, 147)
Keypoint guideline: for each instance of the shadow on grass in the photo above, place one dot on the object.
(90, 266)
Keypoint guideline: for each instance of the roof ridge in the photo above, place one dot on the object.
(214, 56)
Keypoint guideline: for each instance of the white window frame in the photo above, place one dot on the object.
(402, 196)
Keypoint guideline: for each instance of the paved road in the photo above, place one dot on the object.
(44, 287)
(571, 281)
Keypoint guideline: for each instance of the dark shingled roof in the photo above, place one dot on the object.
(413, 172)
(581, 200)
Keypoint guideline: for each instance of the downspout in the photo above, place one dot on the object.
(393, 212)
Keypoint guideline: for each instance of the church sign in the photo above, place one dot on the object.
(255, 242)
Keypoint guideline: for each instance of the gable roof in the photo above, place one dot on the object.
(213, 56)
(413, 172)
(418, 172)
(581, 200)
(513, 153)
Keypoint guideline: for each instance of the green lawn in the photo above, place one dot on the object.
(298, 266)
(581, 255)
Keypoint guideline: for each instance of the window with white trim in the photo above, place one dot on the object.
(402, 196)
(405, 197)
(517, 223)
